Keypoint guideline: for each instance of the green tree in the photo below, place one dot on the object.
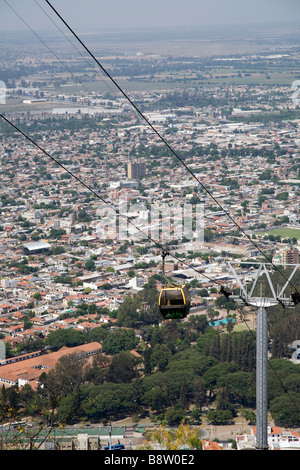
(156, 398)
(69, 337)
(282, 196)
(220, 417)
(90, 265)
(96, 372)
(122, 368)
(106, 401)
(175, 415)
(119, 340)
(285, 412)
(66, 378)
(240, 387)
(128, 313)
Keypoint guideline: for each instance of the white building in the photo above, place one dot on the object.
(278, 439)
(136, 283)
(83, 442)
(7, 283)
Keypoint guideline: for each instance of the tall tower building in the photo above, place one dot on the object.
(290, 256)
(135, 170)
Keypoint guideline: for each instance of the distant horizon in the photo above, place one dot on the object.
(169, 28)
(118, 15)
(181, 26)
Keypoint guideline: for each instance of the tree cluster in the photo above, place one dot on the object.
(181, 369)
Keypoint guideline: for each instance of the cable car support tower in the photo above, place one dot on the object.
(262, 304)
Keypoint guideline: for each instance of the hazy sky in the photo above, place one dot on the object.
(83, 15)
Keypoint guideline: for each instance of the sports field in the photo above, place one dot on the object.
(285, 232)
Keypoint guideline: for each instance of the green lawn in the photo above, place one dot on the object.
(285, 232)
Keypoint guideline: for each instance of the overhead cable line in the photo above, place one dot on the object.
(166, 252)
(137, 228)
(90, 64)
(142, 115)
(73, 175)
(139, 112)
(159, 245)
(101, 198)
(187, 168)
(153, 241)
(167, 144)
(50, 50)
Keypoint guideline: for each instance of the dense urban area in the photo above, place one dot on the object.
(84, 344)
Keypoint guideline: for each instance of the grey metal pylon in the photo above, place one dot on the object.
(262, 379)
(262, 303)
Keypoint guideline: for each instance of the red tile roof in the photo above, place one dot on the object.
(210, 445)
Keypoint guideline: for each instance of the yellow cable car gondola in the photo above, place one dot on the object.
(174, 301)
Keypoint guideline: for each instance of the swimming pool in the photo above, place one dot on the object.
(221, 322)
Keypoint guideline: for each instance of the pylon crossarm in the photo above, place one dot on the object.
(262, 304)
(238, 280)
(288, 281)
(249, 299)
(270, 282)
(256, 279)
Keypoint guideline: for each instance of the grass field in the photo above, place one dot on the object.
(285, 232)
